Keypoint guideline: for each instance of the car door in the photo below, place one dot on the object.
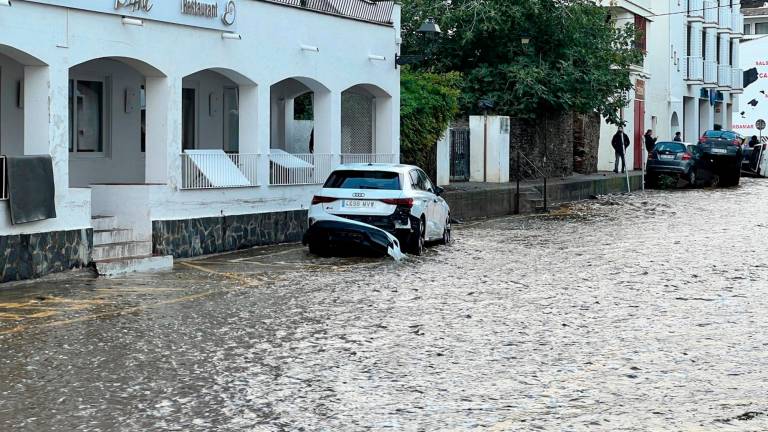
(435, 220)
(421, 200)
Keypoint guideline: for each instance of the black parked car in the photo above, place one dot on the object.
(674, 159)
(722, 156)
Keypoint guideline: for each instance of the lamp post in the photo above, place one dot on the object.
(429, 28)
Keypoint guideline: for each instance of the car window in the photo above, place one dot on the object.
(414, 180)
(670, 147)
(425, 182)
(375, 180)
(713, 134)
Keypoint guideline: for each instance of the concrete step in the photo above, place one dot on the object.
(103, 237)
(102, 223)
(136, 264)
(121, 250)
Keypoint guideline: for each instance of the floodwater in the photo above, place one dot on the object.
(626, 313)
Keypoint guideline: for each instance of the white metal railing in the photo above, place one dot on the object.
(710, 12)
(710, 72)
(299, 169)
(368, 158)
(219, 170)
(737, 79)
(725, 19)
(695, 8)
(724, 76)
(695, 68)
(3, 178)
(737, 22)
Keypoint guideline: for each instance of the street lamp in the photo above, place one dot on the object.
(429, 28)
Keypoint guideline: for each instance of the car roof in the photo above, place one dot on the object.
(398, 168)
(674, 142)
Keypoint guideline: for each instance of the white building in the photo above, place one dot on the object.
(126, 95)
(690, 79)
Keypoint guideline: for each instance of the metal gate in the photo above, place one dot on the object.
(357, 123)
(460, 154)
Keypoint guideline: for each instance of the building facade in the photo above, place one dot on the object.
(182, 128)
(691, 76)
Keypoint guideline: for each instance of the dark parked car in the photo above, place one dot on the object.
(674, 159)
(722, 156)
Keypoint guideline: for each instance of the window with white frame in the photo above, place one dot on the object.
(87, 113)
(761, 28)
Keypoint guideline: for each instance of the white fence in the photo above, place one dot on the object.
(710, 12)
(368, 158)
(696, 8)
(724, 76)
(710, 72)
(219, 170)
(725, 18)
(737, 80)
(695, 68)
(3, 180)
(299, 169)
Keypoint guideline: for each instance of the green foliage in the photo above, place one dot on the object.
(577, 59)
(429, 101)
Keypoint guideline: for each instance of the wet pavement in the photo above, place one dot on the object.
(627, 313)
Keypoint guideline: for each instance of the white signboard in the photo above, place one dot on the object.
(753, 104)
(210, 14)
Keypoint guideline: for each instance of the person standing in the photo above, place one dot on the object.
(650, 141)
(678, 137)
(620, 144)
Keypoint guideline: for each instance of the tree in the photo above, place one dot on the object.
(578, 59)
(429, 101)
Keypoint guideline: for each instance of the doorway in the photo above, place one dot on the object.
(188, 118)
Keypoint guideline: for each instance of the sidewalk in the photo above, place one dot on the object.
(473, 200)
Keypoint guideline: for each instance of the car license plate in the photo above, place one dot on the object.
(359, 204)
(719, 151)
(666, 157)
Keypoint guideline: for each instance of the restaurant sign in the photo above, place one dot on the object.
(210, 14)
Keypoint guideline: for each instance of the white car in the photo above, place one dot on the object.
(398, 199)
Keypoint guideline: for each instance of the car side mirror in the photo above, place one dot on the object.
(439, 191)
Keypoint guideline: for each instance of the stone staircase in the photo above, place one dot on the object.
(115, 252)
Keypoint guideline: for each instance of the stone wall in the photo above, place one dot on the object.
(552, 135)
(30, 256)
(586, 142)
(194, 237)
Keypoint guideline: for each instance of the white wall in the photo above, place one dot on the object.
(11, 115)
(164, 54)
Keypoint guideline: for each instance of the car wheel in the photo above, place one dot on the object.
(417, 240)
(318, 250)
(446, 232)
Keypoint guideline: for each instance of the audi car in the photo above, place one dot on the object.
(384, 205)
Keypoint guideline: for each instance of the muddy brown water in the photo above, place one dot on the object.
(627, 313)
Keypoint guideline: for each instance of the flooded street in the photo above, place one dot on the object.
(627, 313)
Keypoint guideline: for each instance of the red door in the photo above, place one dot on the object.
(639, 133)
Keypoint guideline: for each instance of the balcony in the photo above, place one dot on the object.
(737, 81)
(368, 158)
(737, 24)
(287, 169)
(211, 169)
(695, 69)
(725, 20)
(696, 10)
(710, 14)
(710, 73)
(379, 12)
(724, 77)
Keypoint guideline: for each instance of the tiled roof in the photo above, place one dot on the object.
(755, 11)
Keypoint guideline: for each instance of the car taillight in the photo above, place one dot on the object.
(687, 156)
(322, 200)
(400, 202)
(737, 142)
(652, 156)
(703, 139)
